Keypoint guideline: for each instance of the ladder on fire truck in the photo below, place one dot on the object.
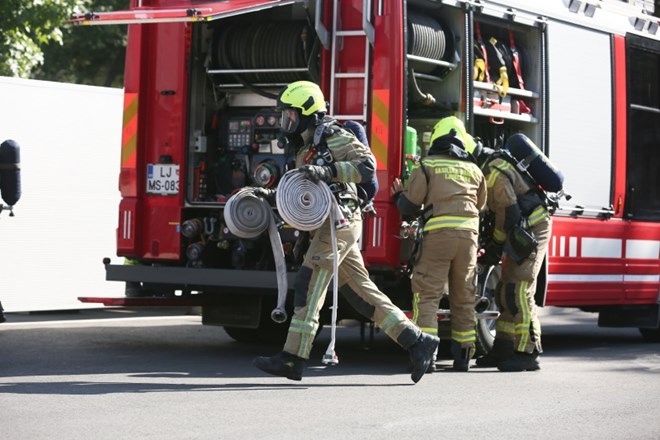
(340, 59)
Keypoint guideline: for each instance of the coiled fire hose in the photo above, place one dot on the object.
(305, 205)
(248, 216)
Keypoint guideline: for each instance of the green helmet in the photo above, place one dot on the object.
(451, 126)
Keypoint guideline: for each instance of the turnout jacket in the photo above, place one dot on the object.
(450, 187)
(350, 160)
(505, 188)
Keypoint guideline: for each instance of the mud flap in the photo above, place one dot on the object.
(542, 283)
(242, 311)
(630, 316)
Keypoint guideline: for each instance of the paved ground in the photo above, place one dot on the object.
(126, 374)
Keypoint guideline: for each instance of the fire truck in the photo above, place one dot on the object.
(579, 77)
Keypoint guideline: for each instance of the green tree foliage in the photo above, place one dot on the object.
(92, 55)
(37, 41)
(26, 27)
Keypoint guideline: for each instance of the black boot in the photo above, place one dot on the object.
(461, 356)
(282, 364)
(502, 350)
(2, 314)
(521, 361)
(421, 355)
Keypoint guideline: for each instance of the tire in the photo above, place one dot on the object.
(243, 335)
(487, 283)
(650, 334)
(268, 332)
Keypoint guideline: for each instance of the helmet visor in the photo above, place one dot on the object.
(290, 120)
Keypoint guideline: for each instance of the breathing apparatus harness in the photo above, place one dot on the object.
(365, 191)
(520, 241)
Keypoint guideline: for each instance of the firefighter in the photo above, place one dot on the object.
(346, 162)
(520, 240)
(449, 190)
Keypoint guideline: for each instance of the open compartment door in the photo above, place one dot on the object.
(185, 13)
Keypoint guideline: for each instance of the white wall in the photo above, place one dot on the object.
(51, 251)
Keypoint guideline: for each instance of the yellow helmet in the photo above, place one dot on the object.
(303, 95)
(302, 104)
(453, 127)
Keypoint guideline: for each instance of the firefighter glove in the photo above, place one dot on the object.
(265, 193)
(492, 254)
(317, 173)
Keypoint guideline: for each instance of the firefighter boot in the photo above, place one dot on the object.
(2, 314)
(421, 355)
(521, 361)
(282, 364)
(432, 368)
(502, 350)
(462, 356)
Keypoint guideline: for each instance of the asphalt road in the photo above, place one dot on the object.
(127, 374)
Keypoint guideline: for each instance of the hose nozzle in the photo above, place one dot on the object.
(330, 358)
(278, 315)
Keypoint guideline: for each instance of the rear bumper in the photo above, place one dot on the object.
(195, 278)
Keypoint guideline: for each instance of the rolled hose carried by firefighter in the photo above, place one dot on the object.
(306, 205)
(248, 216)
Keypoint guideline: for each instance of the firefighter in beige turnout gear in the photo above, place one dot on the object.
(516, 205)
(451, 189)
(336, 157)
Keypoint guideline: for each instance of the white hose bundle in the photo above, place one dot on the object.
(248, 216)
(305, 205)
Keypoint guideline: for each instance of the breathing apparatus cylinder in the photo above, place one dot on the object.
(531, 159)
(10, 172)
(410, 151)
(367, 190)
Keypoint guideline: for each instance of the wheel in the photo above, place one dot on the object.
(488, 280)
(268, 331)
(271, 332)
(243, 335)
(650, 334)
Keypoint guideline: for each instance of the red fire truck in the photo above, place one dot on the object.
(583, 82)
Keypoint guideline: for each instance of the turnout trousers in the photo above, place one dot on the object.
(518, 321)
(312, 283)
(448, 259)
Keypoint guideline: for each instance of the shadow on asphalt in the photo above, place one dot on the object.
(153, 357)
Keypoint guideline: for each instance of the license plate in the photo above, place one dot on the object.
(162, 178)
